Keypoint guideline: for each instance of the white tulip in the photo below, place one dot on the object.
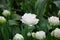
(6, 13)
(40, 35)
(56, 33)
(29, 19)
(18, 37)
(53, 20)
(2, 20)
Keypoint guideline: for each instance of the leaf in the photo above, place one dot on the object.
(25, 31)
(12, 22)
(57, 3)
(44, 26)
(4, 32)
(16, 17)
(31, 28)
(15, 30)
(1, 6)
(41, 6)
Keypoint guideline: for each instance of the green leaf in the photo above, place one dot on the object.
(16, 17)
(41, 6)
(15, 30)
(4, 32)
(25, 31)
(31, 28)
(12, 22)
(44, 26)
(57, 3)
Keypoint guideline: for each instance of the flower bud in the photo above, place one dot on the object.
(33, 35)
(59, 13)
(2, 20)
(18, 37)
(6, 13)
(28, 34)
(53, 20)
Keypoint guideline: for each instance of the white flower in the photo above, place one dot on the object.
(28, 34)
(39, 35)
(18, 37)
(6, 13)
(2, 20)
(53, 20)
(56, 33)
(29, 19)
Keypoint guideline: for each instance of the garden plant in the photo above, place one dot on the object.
(29, 19)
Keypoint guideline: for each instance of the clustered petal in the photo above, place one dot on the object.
(53, 20)
(56, 33)
(18, 37)
(39, 35)
(29, 19)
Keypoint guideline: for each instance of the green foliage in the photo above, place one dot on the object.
(42, 8)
